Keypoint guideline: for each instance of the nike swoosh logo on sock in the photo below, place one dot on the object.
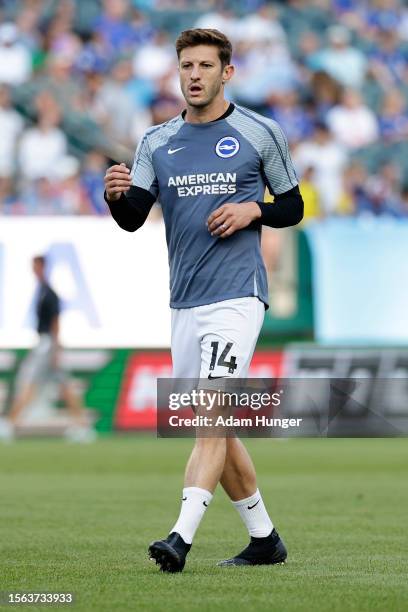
(250, 507)
(184, 498)
(205, 504)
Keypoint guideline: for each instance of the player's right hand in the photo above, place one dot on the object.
(117, 181)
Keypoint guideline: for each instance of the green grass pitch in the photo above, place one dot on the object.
(79, 518)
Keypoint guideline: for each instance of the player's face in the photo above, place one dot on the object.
(201, 74)
(38, 269)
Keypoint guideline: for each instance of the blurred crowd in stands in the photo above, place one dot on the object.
(81, 80)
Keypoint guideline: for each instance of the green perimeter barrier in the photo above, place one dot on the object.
(99, 371)
(290, 315)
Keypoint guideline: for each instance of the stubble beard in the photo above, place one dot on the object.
(214, 91)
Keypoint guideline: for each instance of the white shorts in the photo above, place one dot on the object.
(216, 340)
(37, 367)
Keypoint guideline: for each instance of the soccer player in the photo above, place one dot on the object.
(209, 167)
(41, 366)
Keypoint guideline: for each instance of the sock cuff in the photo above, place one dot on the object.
(247, 500)
(198, 491)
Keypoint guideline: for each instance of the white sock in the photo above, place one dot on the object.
(194, 504)
(253, 512)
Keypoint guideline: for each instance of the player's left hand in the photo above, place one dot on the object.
(231, 217)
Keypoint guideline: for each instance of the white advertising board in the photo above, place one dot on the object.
(113, 284)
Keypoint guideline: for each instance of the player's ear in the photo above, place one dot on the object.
(227, 73)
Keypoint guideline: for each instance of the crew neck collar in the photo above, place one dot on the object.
(226, 114)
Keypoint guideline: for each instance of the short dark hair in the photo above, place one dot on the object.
(40, 259)
(206, 36)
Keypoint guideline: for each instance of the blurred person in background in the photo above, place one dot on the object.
(403, 23)
(8, 197)
(15, 59)
(262, 24)
(384, 190)
(71, 197)
(382, 15)
(294, 59)
(219, 16)
(57, 79)
(340, 59)
(354, 195)
(266, 69)
(325, 92)
(39, 196)
(42, 366)
(166, 103)
(288, 111)
(372, 195)
(310, 195)
(350, 14)
(61, 193)
(115, 108)
(28, 26)
(154, 59)
(388, 60)
(61, 39)
(352, 122)
(43, 146)
(11, 127)
(93, 172)
(393, 119)
(404, 201)
(117, 33)
(93, 56)
(327, 159)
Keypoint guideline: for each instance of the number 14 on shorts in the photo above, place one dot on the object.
(222, 359)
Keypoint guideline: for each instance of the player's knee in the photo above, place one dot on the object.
(210, 442)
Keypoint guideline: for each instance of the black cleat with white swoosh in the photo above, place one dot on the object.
(260, 551)
(170, 553)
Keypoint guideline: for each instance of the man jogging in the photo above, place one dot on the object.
(209, 167)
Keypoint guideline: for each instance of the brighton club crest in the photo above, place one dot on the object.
(227, 147)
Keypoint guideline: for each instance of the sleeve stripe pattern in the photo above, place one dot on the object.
(274, 153)
(161, 134)
(270, 131)
(142, 172)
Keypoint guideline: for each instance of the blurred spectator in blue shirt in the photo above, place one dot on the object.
(388, 62)
(111, 67)
(93, 57)
(94, 169)
(117, 32)
(384, 191)
(291, 116)
(383, 14)
(393, 118)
